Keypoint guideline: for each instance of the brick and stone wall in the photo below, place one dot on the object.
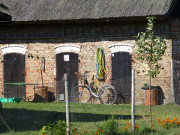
(163, 79)
(41, 40)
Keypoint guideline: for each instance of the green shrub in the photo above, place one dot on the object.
(58, 128)
(146, 130)
(110, 127)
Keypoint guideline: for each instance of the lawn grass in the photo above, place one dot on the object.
(27, 118)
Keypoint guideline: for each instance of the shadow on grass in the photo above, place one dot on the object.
(30, 120)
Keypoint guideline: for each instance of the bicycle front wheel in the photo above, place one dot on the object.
(81, 94)
(108, 95)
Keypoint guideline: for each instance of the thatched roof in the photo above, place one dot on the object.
(37, 10)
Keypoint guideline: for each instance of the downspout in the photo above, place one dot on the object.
(172, 80)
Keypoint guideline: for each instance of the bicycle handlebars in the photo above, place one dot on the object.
(84, 74)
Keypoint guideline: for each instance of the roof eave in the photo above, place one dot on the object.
(5, 17)
(131, 19)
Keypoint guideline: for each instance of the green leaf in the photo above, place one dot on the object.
(150, 48)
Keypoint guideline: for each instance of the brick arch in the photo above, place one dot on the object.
(13, 49)
(64, 48)
(121, 47)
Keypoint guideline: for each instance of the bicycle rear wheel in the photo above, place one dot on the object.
(108, 95)
(81, 94)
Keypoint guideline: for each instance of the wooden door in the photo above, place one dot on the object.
(14, 71)
(121, 76)
(66, 63)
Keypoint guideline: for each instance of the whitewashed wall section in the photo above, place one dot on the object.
(13, 49)
(121, 47)
(67, 48)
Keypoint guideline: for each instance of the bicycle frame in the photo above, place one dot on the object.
(106, 93)
(93, 93)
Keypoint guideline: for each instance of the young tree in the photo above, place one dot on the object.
(150, 50)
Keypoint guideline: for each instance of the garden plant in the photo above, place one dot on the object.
(151, 49)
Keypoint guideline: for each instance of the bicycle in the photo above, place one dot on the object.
(105, 93)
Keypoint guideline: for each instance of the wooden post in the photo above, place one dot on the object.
(133, 100)
(67, 103)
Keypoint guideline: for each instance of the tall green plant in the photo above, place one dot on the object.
(150, 50)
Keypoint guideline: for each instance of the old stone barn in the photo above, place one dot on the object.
(46, 38)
